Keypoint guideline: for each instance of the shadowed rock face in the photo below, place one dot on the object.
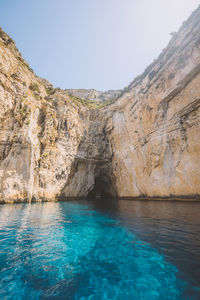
(144, 144)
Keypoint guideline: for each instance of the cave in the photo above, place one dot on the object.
(103, 188)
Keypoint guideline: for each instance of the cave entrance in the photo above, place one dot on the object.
(103, 188)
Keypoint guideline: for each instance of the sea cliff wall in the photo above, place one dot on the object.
(154, 127)
(139, 142)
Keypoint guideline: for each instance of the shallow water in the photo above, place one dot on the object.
(100, 250)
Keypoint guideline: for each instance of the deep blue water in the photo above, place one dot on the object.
(100, 250)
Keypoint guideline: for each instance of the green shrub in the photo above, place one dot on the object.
(45, 154)
(34, 87)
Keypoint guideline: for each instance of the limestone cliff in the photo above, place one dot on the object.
(92, 95)
(74, 143)
(154, 127)
(51, 144)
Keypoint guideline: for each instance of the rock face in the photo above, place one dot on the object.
(154, 127)
(108, 96)
(54, 145)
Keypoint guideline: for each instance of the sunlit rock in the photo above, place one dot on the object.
(139, 142)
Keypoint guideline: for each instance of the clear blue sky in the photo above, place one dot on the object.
(101, 44)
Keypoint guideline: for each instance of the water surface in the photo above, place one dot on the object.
(100, 250)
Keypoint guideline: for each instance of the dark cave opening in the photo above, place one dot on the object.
(103, 188)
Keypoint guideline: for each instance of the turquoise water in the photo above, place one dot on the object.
(79, 251)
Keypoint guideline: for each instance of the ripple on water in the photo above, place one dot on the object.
(70, 251)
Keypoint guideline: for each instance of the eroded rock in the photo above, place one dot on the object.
(142, 141)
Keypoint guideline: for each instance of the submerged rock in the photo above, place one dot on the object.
(142, 141)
